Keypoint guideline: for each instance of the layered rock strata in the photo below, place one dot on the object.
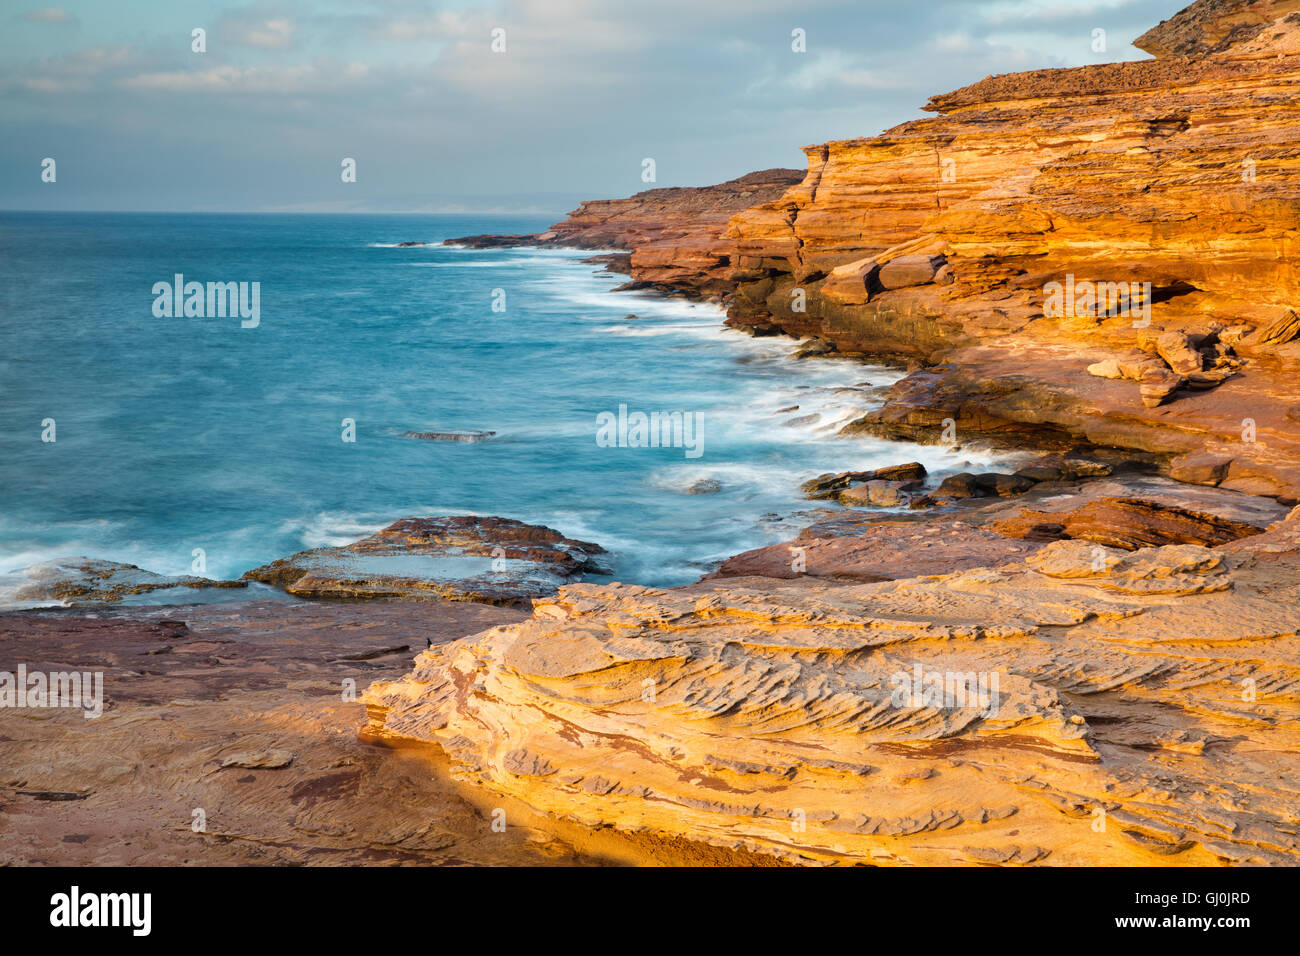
(1135, 220)
(676, 235)
(459, 558)
(1105, 252)
(1080, 705)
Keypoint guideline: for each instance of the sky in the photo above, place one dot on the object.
(438, 121)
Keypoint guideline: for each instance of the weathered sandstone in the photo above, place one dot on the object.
(1144, 710)
(676, 235)
(460, 558)
(244, 712)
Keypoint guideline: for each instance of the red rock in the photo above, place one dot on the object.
(1128, 523)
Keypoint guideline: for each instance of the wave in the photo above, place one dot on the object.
(491, 264)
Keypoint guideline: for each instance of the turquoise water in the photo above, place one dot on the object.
(180, 433)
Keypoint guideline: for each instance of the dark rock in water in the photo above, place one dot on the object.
(958, 486)
(827, 486)
(458, 558)
(878, 493)
(1003, 485)
(705, 486)
(815, 347)
(404, 245)
(494, 242)
(86, 581)
(788, 408)
(812, 418)
(461, 436)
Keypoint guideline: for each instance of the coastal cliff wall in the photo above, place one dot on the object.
(1105, 253)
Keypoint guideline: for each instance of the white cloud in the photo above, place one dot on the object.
(269, 33)
(1040, 11)
(49, 15)
(299, 79)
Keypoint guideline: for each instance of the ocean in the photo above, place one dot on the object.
(175, 433)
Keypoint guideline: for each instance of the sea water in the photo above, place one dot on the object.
(144, 439)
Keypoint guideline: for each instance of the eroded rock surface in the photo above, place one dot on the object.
(82, 581)
(460, 558)
(244, 713)
(675, 235)
(1082, 705)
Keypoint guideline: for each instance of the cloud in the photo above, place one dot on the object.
(49, 15)
(77, 72)
(584, 90)
(1022, 12)
(299, 79)
(269, 33)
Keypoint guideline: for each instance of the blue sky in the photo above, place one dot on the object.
(437, 121)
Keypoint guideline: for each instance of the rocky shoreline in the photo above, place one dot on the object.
(1094, 659)
(1165, 187)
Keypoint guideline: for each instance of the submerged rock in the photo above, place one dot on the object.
(459, 558)
(459, 436)
(81, 581)
(829, 485)
(705, 486)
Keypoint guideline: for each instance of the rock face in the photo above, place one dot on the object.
(1108, 174)
(1057, 708)
(461, 558)
(1127, 523)
(1103, 253)
(675, 235)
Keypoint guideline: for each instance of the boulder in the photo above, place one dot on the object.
(828, 485)
(1003, 486)
(458, 558)
(1106, 369)
(962, 485)
(1179, 353)
(908, 271)
(1157, 385)
(876, 493)
(850, 284)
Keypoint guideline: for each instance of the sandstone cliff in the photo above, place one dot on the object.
(675, 236)
(1161, 196)
(939, 241)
